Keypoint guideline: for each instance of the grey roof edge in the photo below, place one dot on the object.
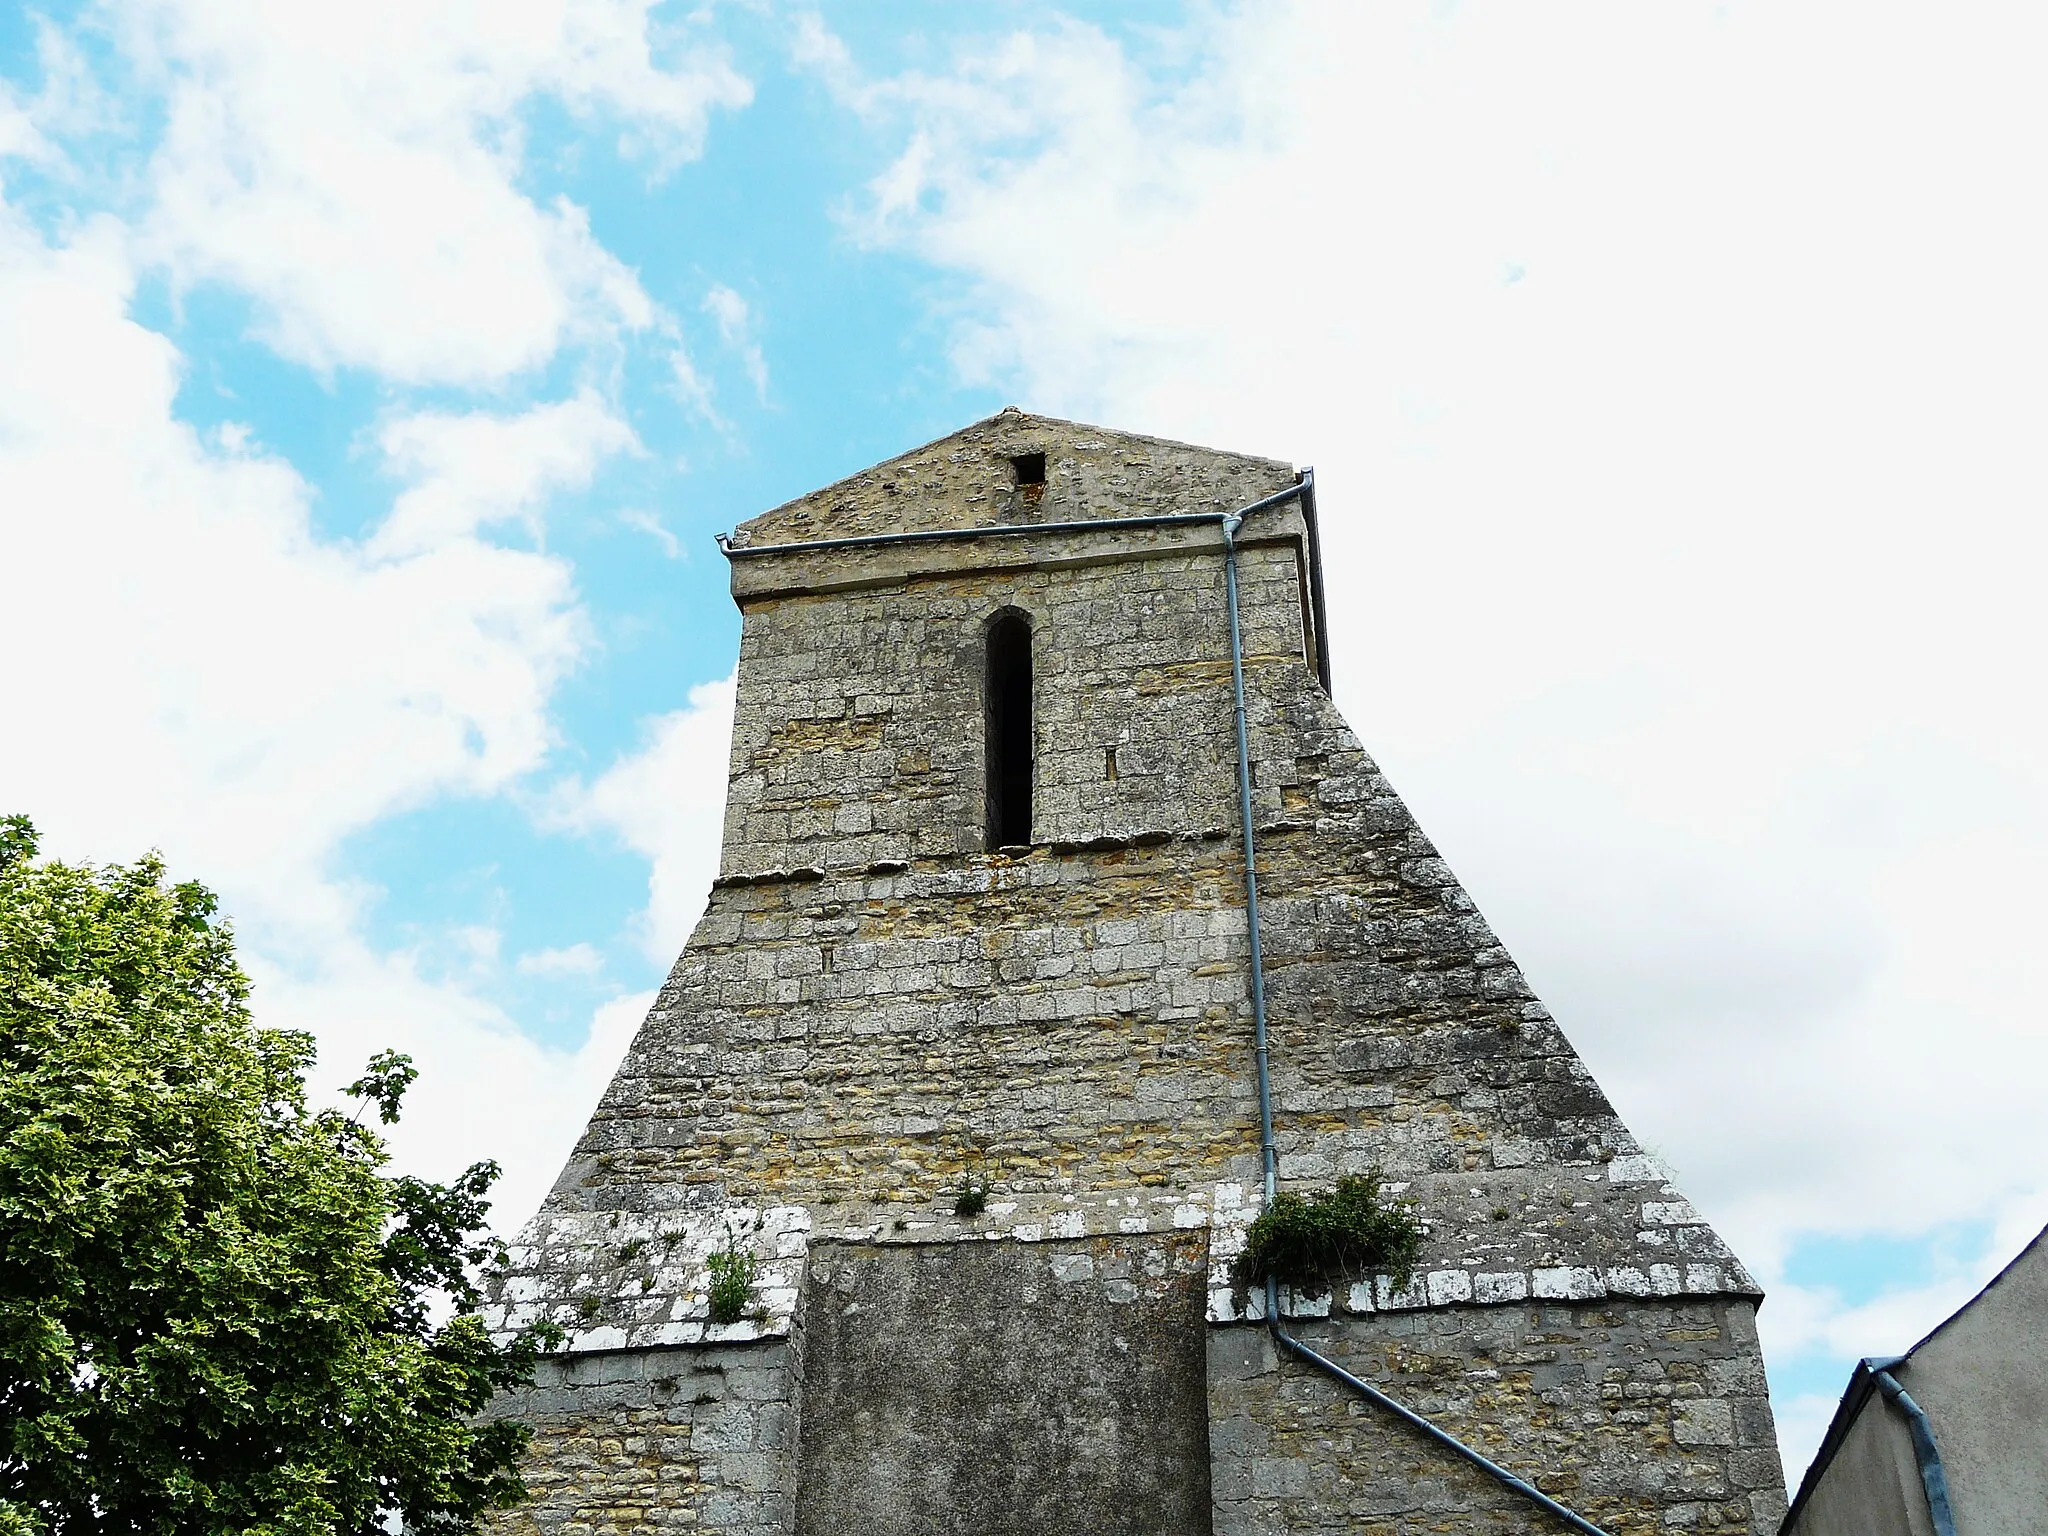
(996, 416)
(1854, 1396)
(1984, 1290)
(1862, 1383)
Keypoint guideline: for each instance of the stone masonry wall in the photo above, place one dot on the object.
(872, 1010)
(857, 740)
(631, 1443)
(1640, 1417)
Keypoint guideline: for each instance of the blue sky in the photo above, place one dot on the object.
(375, 384)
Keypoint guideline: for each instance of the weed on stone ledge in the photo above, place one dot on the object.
(1310, 1241)
(971, 1199)
(733, 1272)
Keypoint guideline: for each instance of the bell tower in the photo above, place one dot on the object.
(960, 1066)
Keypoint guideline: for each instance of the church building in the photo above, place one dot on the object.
(912, 1209)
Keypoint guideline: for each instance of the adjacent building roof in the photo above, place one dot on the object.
(1863, 1382)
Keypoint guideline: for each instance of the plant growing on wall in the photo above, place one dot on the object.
(1310, 1241)
(733, 1272)
(971, 1198)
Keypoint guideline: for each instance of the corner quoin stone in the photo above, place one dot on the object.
(874, 1010)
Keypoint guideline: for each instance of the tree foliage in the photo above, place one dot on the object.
(217, 1313)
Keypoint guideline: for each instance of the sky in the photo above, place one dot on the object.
(373, 380)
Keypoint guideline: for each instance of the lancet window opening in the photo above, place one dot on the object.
(1006, 699)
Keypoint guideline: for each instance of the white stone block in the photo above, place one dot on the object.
(1294, 1304)
(1635, 1170)
(1391, 1299)
(1449, 1285)
(1669, 1213)
(1563, 1283)
(1502, 1286)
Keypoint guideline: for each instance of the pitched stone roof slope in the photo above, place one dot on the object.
(1092, 473)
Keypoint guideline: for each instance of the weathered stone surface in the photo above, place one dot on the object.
(995, 1389)
(1601, 1405)
(967, 479)
(874, 1009)
(659, 1440)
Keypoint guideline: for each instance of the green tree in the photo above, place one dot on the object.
(217, 1313)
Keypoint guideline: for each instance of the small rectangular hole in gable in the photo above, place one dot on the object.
(1030, 468)
(1109, 762)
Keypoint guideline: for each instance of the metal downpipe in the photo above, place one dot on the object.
(1317, 607)
(1933, 1476)
(1268, 1157)
(1268, 1160)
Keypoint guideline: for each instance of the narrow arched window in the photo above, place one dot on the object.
(1006, 696)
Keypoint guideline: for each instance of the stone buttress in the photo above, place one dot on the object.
(878, 1012)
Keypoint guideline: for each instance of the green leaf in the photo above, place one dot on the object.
(216, 1311)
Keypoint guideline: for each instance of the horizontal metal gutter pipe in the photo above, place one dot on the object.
(1933, 1477)
(734, 551)
(1268, 1158)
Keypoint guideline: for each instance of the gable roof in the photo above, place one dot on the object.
(1090, 472)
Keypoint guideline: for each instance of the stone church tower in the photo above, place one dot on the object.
(980, 928)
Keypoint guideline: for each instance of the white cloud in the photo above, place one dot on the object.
(245, 676)
(216, 678)
(19, 139)
(736, 329)
(572, 960)
(195, 670)
(70, 102)
(484, 1090)
(690, 387)
(640, 520)
(473, 469)
(667, 802)
(1684, 583)
(358, 172)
